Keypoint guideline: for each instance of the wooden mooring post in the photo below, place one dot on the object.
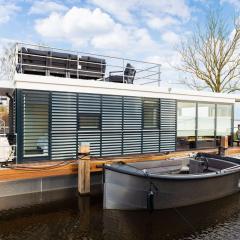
(84, 169)
(223, 145)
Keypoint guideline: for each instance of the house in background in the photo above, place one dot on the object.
(60, 99)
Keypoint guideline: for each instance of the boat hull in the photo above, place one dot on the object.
(127, 191)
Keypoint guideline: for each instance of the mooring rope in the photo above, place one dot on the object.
(60, 164)
(152, 186)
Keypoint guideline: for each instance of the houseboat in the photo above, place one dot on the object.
(61, 99)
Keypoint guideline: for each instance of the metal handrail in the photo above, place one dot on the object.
(142, 73)
(78, 60)
(79, 52)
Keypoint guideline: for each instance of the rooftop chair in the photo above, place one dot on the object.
(91, 68)
(128, 77)
(63, 65)
(40, 62)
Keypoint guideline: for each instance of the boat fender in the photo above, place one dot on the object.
(150, 196)
(150, 200)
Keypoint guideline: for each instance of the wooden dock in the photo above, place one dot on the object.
(71, 168)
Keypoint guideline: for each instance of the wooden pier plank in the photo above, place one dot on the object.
(72, 168)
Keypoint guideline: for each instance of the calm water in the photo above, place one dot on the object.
(83, 218)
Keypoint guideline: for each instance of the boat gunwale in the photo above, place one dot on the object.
(141, 173)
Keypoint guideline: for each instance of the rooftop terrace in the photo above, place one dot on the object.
(46, 61)
(38, 67)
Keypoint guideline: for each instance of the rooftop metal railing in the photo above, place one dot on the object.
(47, 61)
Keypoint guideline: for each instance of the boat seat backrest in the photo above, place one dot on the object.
(196, 166)
(129, 73)
(163, 163)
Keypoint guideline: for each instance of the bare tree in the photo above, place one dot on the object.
(211, 56)
(7, 61)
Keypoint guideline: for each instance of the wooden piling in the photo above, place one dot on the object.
(223, 145)
(84, 170)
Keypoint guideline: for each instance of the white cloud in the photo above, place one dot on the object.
(93, 28)
(7, 10)
(45, 7)
(50, 27)
(120, 10)
(160, 23)
(125, 10)
(178, 8)
(124, 39)
(77, 25)
(171, 37)
(118, 37)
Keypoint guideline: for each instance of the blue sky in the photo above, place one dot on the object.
(140, 29)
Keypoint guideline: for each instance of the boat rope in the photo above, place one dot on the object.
(49, 167)
(152, 186)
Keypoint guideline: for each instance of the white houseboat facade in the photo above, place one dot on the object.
(60, 99)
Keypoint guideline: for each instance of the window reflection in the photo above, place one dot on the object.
(214, 121)
(224, 122)
(186, 125)
(206, 125)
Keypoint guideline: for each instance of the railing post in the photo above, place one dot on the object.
(77, 66)
(159, 75)
(21, 61)
(123, 70)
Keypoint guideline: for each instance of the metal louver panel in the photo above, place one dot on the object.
(167, 141)
(35, 123)
(150, 141)
(64, 125)
(132, 119)
(90, 103)
(111, 144)
(168, 119)
(112, 109)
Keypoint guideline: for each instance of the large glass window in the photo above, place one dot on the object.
(206, 125)
(151, 113)
(186, 125)
(224, 121)
(213, 122)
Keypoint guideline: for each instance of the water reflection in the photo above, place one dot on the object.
(171, 224)
(83, 218)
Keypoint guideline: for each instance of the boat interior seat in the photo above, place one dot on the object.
(212, 169)
(162, 170)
